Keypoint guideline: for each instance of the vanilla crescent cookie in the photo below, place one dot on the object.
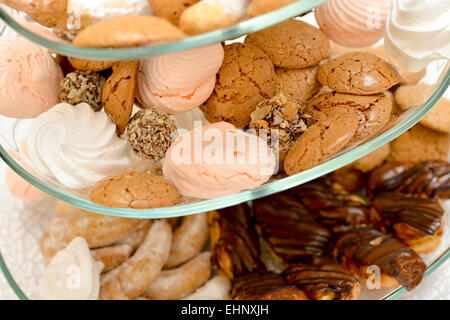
(209, 15)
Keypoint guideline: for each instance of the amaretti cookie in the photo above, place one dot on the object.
(319, 142)
(438, 118)
(372, 160)
(246, 78)
(420, 144)
(298, 85)
(358, 73)
(127, 31)
(170, 10)
(134, 190)
(373, 112)
(258, 7)
(292, 44)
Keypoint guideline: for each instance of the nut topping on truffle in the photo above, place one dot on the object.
(150, 133)
(82, 86)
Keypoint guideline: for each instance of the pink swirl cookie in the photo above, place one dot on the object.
(218, 160)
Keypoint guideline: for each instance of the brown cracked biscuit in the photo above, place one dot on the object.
(412, 96)
(420, 144)
(320, 141)
(49, 13)
(358, 73)
(373, 112)
(406, 77)
(134, 190)
(372, 160)
(258, 7)
(90, 65)
(298, 85)
(170, 10)
(119, 92)
(245, 79)
(292, 44)
(128, 31)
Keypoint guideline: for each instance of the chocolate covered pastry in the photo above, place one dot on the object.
(291, 232)
(323, 279)
(332, 206)
(362, 248)
(417, 222)
(265, 286)
(431, 179)
(234, 242)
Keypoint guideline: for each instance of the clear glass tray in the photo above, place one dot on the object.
(23, 265)
(12, 131)
(233, 32)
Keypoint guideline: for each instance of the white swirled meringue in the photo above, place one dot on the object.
(73, 274)
(75, 146)
(418, 32)
(179, 82)
(353, 23)
(91, 11)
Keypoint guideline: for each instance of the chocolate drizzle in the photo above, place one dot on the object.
(291, 232)
(422, 214)
(264, 286)
(235, 244)
(322, 275)
(367, 247)
(333, 207)
(431, 179)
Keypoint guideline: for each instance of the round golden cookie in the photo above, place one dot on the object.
(170, 10)
(258, 7)
(49, 13)
(298, 85)
(406, 77)
(90, 65)
(119, 93)
(134, 190)
(373, 112)
(245, 79)
(420, 144)
(292, 44)
(322, 140)
(358, 73)
(127, 31)
(413, 96)
(372, 160)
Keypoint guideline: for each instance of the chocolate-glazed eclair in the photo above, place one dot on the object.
(290, 231)
(431, 179)
(417, 222)
(361, 248)
(332, 206)
(235, 245)
(265, 286)
(323, 278)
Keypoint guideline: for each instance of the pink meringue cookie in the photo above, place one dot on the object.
(179, 82)
(29, 79)
(218, 160)
(353, 23)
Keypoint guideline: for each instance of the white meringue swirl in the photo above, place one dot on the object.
(75, 146)
(418, 32)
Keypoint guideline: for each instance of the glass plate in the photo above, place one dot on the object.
(22, 224)
(12, 133)
(233, 32)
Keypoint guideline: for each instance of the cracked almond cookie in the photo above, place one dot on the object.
(292, 44)
(134, 190)
(321, 141)
(358, 73)
(246, 78)
(373, 112)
